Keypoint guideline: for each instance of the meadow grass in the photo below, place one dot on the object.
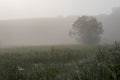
(60, 63)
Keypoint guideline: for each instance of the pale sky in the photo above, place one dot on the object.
(12, 9)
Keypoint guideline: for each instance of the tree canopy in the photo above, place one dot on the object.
(87, 29)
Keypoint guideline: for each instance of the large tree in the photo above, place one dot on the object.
(87, 29)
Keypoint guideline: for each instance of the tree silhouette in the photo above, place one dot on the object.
(87, 29)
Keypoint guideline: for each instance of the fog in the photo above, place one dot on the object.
(41, 31)
(12, 9)
(111, 25)
(38, 22)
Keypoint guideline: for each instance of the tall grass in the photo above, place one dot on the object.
(98, 63)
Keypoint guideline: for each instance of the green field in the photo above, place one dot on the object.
(64, 62)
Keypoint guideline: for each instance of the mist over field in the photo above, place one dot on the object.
(28, 22)
(53, 31)
(59, 39)
(111, 26)
(36, 31)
